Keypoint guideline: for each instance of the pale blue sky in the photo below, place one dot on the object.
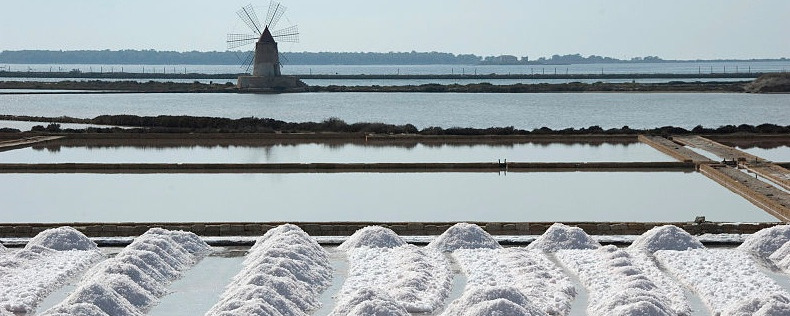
(672, 29)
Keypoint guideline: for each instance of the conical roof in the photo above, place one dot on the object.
(266, 36)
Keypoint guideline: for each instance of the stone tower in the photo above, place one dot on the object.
(267, 57)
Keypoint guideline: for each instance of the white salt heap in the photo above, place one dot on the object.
(500, 300)
(530, 271)
(283, 274)
(727, 280)
(133, 281)
(766, 241)
(419, 279)
(46, 263)
(781, 257)
(673, 290)
(463, 236)
(771, 305)
(372, 237)
(63, 238)
(368, 301)
(668, 237)
(616, 285)
(560, 236)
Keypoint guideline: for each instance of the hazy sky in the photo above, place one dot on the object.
(672, 29)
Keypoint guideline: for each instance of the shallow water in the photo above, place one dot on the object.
(527, 111)
(200, 287)
(777, 154)
(26, 126)
(613, 68)
(85, 151)
(377, 197)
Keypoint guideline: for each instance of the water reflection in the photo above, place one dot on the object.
(452, 197)
(338, 151)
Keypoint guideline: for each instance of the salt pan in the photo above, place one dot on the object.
(463, 236)
(560, 236)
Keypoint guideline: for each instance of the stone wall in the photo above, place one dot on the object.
(348, 228)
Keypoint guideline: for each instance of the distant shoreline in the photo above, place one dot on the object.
(493, 76)
(116, 87)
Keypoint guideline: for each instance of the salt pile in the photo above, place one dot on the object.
(772, 305)
(500, 300)
(725, 279)
(368, 301)
(463, 236)
(133, 281)
(668, 237)
(419, 279)
(673, 290)
(283, 273)
(616, 285)
(766, 241)
(530, 271)
(46, 263)
(373, 237)
(781, 257)
(560, 236)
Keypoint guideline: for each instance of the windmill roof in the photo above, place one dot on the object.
(266, 36)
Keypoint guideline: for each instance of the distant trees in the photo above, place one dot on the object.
(195, 124)
(154, 57)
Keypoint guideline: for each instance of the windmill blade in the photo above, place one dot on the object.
(289, 34)
(247, 64)
(276, 11)
(245, 60)
(282, 56)
(247, 14)
(239, 40)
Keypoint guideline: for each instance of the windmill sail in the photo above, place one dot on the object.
(247, 14)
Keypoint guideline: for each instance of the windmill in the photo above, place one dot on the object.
(265, 58)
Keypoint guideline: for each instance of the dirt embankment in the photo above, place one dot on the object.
(770, 83)
(98, 86)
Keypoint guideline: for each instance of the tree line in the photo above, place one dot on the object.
(195, 124)
(154, 57)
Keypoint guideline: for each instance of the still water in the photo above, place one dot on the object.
(538, 196)
(619, 68)
(82, 151)
(776, 154)
(384, 82)
(527, 111)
